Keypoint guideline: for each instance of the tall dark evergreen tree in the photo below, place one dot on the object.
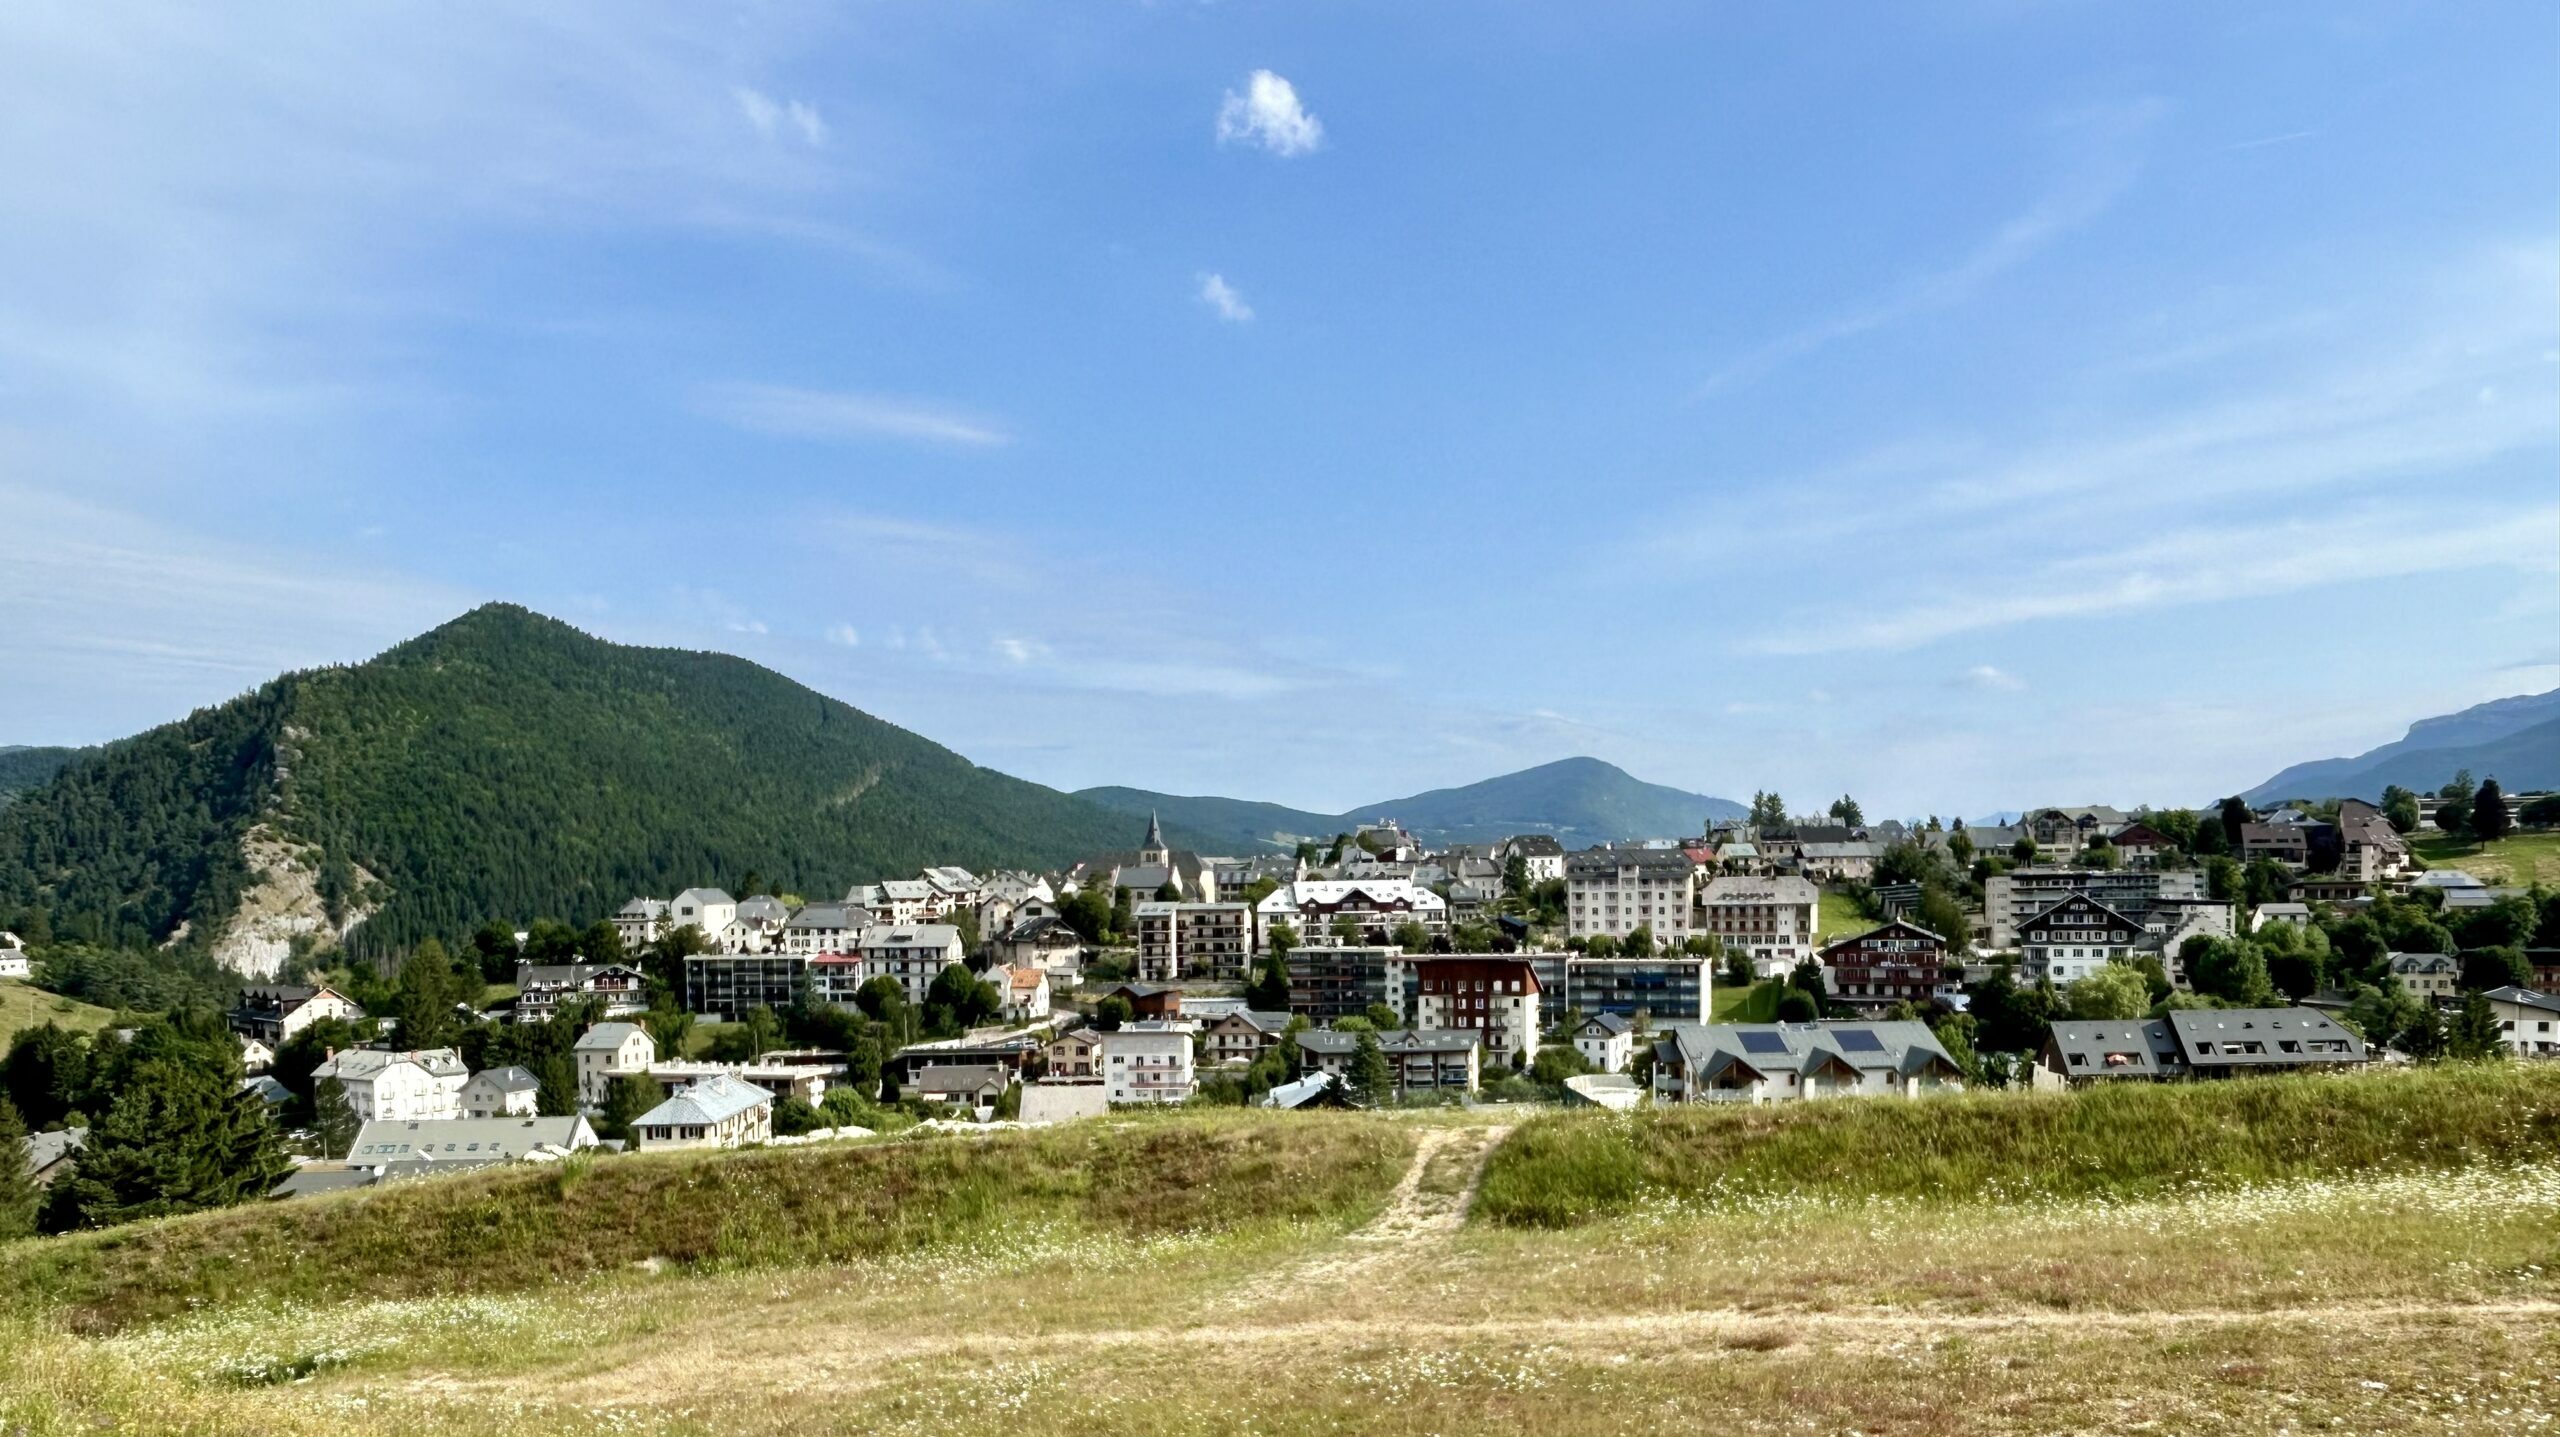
(2490, 818)
(423, 999)
(179, 1139)
(19, 1197)
(333, 1118)
(1366, 1077)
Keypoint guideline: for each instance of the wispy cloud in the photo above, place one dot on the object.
(786, 412)
(2259, 144)
(769, 116)
(2199, 565)
(844, 636)
(1991, 677)
(1222, 297)
(2096, 180)
(1267, 114)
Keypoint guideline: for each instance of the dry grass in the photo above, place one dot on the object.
(2415, 1303)
(2120, 1141)
(2520, 859)
(23, 1005)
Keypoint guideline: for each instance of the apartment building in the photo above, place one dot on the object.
(1497, 999)
(1194, 940)
(2010, 899)
(1669, 989)
(1771, 921)
(1332, 981)
(1379, 905)
(1900, 962)
(1611, 892)
(1147, 1062)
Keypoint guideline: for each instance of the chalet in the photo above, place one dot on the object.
(1900, 962)
(274, 1013)
(2075, 938)
(1606, 1041)
(1149, 1000)
(2287, 843)
(715, 1112)
(1043, 941)
(1782, 1062)
(2139, 845)
(1377, 906)
(1243, 1035)
(1540, 853)
(1025, 991)
(541, 989)
(1850, 861)
(2066, 831)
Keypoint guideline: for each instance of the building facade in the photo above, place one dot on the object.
(1771, 921)
(1611, 892)
(1194, 940)
(1494, 998)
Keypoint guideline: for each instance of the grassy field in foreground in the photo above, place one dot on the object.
(24, 1006)
(2521, 859)
(2128, 1140)
(527, 1226)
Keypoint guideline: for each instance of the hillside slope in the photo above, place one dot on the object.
(502, 765)
(23, 768)
(2518, 739)
(1581, 801)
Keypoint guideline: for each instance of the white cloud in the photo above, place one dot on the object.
(1221, 296)
(844, 636)
(786, 412)
(1267, 114)
(1021, 651)
(2201, 565)
(1988, 676)
(767, 115)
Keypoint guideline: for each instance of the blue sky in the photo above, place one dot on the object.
(1962, 406)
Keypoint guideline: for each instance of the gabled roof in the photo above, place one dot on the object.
(474, 1140)
(46, 1149)
(958, 1077)
(763, 908)
(1609, 1024)
(829, 915)
(1903, 1048)
(2525, 997)
(1895, 928)
(2125, 1047)
(363, 1063)
(2076, 898)
(705, 1102)
(703, 897)
(2269, 1026)
(1260, 1020)
(605, 1037)
(509, 1079)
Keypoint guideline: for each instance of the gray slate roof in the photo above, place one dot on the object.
(379, 1143)
(1903, 1048)
(509, 1079)
(705, 1102)
(605, 1037)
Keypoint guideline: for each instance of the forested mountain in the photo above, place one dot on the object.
(2517, 739)
(505, 765)
(1582, 801)
(22, 767)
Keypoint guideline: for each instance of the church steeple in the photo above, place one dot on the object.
(1153, 850)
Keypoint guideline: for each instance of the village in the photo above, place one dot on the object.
(1768, 961)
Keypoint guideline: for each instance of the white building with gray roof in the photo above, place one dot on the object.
(1785, 1062)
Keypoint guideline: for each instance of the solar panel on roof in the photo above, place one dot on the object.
(1858, 1040)
(1763, 1043)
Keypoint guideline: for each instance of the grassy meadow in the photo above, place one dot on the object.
(2519, 859)
(25, 1006)
(2386, 1266)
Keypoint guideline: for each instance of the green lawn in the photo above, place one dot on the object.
(1755, 1004)
(23, 1006)
(1841, 918)
(2519, 858)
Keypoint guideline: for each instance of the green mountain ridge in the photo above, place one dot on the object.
(506, 765)
(1580, 801)
(2516, 739)
(26, 766)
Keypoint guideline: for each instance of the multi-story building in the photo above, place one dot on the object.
(1771, 921)
(2066, 831)
(725, 986)
(542, 988)
(708, 909)
(1328, 982)
(396, 1086)
(1494, 998)
(608, 1051)
(1606, 1041)
(1419, 1061)
(1242, 1035)
(1781, 1062)
(2427, 977)
(1540, 853)
(1193, 940)
(717, 1111)
(273, 1013)
(824, 928)
(1668, 989)
(2075, 938)
(900, 900)
(641, 921)
(2010, 899)
(1611, 892)
(2286, 843)
(913, 953)
(1074, 1057)
(2370, 850)
(1313, 906)
(1148, 1062)
(2528, 1022)
(2199, 1043)
(1900, 962)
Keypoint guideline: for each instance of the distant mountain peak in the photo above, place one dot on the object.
(2517, 739)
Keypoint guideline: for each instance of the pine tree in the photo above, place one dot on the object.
(423, 998)
(1368, 1079)
(19, 1197)
(333, 1118)
(176, 1141)
(625, 1099)
(2490, 820)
